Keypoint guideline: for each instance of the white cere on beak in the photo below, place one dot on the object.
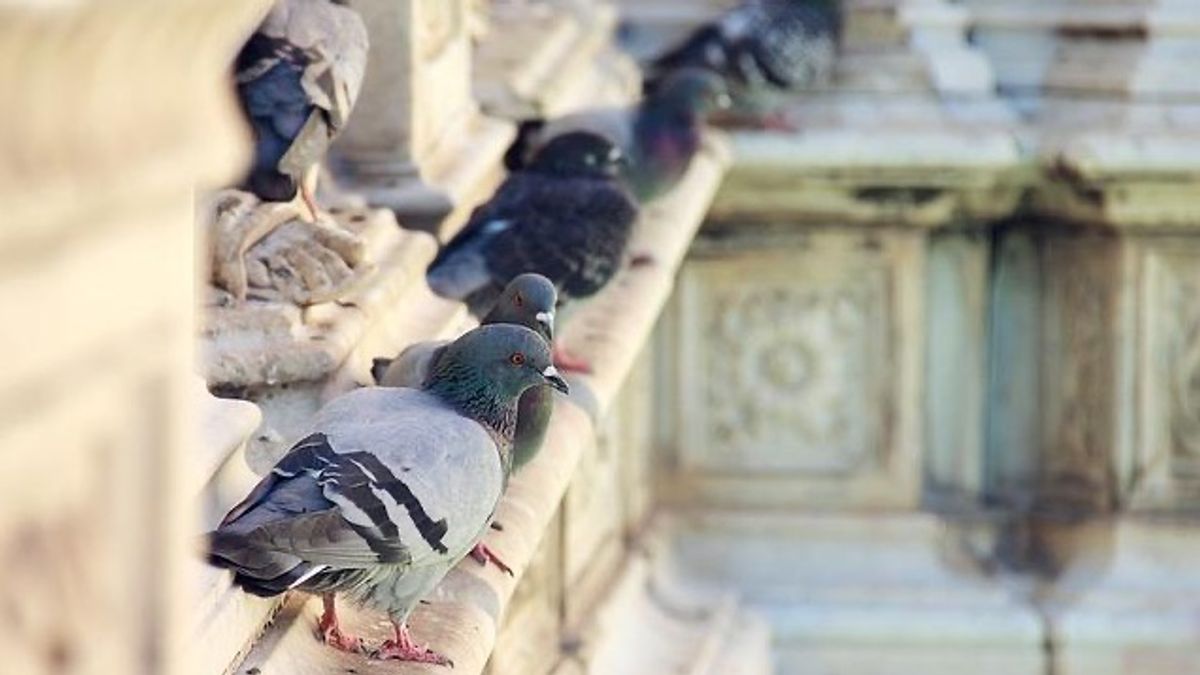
(614, 154)
(550, 371)
(546, 318)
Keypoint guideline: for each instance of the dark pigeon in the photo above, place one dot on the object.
(297, 79)
(566, 216)
(660, 135)
(389, 487)
(761, 48)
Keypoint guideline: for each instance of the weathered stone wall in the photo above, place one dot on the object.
(920, 398)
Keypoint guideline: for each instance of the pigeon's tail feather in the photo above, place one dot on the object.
(379, 367)
(523, 146)
(258, 571)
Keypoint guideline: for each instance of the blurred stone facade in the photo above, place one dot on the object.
(918, 397)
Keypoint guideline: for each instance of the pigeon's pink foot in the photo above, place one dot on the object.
(402, 648)
(483, 554)
(642, 260)
(564, 360)
(778, 121)
(331, 634)
(773, 121)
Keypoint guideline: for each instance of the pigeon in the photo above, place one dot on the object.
(298, 77)
(660, 135)
(566, 216)
(761, 48)
(529, 300)
(389, 488)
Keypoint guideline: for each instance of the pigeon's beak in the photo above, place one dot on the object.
(724, 101)
(555, 380)
(547, 320)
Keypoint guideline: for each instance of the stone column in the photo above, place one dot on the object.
(416, 143)
(114, 113)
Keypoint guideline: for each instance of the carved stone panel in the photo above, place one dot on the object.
(1079, 372)
(1164, 470)
(796, 369)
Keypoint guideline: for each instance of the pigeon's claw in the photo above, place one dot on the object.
(310, 211)
(642, 260)
(564, 360)
(483, 554)
(778, 121)
(331, 634)
(402, 648)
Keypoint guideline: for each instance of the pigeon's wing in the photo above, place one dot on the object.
(312, 513)
(461, 268)
(268, 71)
(313, 55)
(412, 366)
(572, 231)
(793, 44)
(337, 39)
(601, 229)
(437, 474)
(760, 44)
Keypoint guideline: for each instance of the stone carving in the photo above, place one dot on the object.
(795, 371)
(1175, 284)
(1077, 466)
(264, 251)
(1183, 355)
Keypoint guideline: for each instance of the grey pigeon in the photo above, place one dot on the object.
(529, 300)
(389, 487)
(660, 135)
(761, 48)
(297, 79)
(566, 216)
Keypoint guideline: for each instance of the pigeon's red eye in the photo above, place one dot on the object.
(517, 359)
(518, 300)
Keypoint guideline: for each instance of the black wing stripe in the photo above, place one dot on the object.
(432, 531)
(345, 472)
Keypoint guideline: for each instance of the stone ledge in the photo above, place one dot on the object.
(937, 164)
(462, 616)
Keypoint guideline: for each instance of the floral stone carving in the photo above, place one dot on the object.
(795, 368)
(263, 251)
